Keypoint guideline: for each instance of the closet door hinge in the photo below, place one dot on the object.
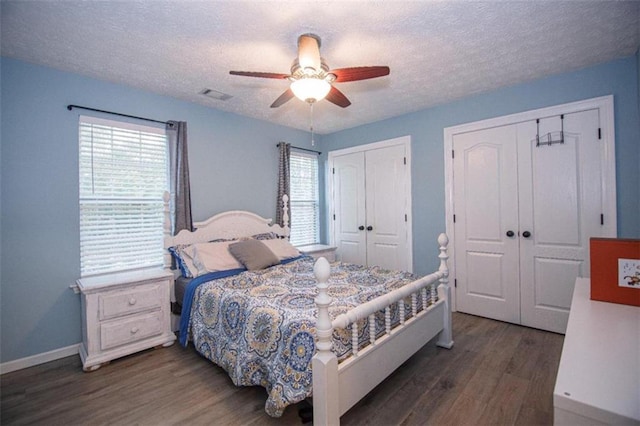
(334, 217)
(405, 218)
(405, 161)
(601, 219)
(599, 133)
(334, 170)
(454, 218)
(455, 283)
(453, 154)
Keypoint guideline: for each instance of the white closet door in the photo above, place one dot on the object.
(386, 179)
(349, 207)
(560, 205)
(486, 209)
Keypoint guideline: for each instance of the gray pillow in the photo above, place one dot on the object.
(253, 254)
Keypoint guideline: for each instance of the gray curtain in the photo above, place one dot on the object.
(284, 150)
(179, 169)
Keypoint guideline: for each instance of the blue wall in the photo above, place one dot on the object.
(233, 164)
(619, 78)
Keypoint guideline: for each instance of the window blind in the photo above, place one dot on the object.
(304, 199)
(123, 175)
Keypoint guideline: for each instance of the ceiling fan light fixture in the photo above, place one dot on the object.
(310, 89)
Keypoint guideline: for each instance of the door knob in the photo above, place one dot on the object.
(510, 233)
(361, 227)
(526, 234)
(369, 228)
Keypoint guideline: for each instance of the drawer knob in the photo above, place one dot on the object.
(134, 330)
(132, 301)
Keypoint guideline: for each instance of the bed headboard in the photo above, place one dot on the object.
(227, 225)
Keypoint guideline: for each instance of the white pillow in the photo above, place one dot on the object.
(282, 248)
(212, 257)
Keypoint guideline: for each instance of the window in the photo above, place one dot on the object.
(304, 200)
(123, 175)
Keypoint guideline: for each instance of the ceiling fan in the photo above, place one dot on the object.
(312, 80)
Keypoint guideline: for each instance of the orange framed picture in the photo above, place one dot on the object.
(615, 270)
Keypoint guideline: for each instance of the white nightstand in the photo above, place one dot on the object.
(124, 313)
(319, 250)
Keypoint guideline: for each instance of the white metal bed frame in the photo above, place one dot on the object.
(337, 387)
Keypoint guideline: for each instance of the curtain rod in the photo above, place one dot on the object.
(70, 107)
(302, 149)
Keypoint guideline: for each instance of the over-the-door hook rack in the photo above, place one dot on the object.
(549, 140)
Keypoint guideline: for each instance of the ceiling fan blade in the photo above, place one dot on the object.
(359, 73)
(337, 97)
(259, 74)
(285, 97)
(309, 51)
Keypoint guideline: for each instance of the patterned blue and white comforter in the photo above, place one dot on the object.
(260, 325)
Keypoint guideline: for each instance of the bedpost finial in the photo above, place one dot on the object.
(322, 270)
(443, 239)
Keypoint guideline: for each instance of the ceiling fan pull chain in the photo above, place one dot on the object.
(311, 125)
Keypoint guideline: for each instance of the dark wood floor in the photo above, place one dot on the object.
(496, 374)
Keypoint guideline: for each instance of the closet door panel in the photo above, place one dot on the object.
(484, 174)
(386, 179)
(486, 208)
(484, 275)
(349, 208)
(560, 205)
(555, 187)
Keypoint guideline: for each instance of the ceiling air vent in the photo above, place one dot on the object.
(214, 94)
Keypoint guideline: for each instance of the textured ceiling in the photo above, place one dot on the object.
(437, 51)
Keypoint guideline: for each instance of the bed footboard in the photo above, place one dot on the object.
(336, 388)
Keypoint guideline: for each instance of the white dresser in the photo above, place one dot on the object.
(319, 250)
(599, 375)
(124, 313)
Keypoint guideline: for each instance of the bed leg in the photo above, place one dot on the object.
(445, 338)
(326, 407)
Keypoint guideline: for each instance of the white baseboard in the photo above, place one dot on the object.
(30, 361)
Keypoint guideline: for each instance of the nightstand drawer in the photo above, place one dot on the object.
(120, 303)
(136, 328)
